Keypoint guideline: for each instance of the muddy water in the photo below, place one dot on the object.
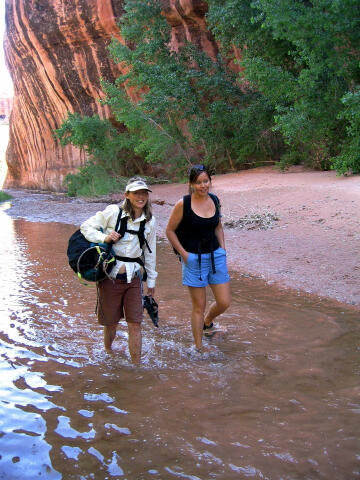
(277, 397)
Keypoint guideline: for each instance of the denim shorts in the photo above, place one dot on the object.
(191, 269)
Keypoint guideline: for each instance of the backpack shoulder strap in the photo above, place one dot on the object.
(141, 235)
(186, 206)
(118, 220)
(109, 245)
(123, 226)
(216, 201)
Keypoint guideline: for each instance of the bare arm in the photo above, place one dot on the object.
(150, 258)
(219, 232)
(94, 227)
(174, 221)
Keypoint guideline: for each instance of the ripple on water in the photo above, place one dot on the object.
(276, 396)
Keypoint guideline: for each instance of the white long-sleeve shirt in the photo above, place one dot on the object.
(128, 246)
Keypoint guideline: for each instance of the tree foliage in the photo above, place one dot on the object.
(349, 158)
(108, 150)
(190, 106)
(303, 56)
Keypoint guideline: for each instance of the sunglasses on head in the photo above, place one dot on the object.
(198, 168)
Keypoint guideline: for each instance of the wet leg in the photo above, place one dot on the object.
(222, 296)
(198, 299)
(109, 336)
(135, 340)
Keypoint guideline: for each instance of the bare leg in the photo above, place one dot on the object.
(135, 340)
(109, 336)
(198, 299)
(222, 296)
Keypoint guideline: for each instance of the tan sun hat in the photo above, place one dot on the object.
(137, 185)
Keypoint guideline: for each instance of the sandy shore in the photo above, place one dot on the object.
(299, 229)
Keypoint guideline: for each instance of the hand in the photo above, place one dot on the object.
(113, 237)
(186, 257)
(151, 291)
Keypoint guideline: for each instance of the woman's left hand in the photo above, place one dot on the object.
(151, 291)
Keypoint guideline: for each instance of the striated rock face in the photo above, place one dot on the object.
(187, 19)
(56, 53)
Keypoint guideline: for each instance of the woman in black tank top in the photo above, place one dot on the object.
(196, 234)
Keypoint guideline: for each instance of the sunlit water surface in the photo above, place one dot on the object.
(277, 397)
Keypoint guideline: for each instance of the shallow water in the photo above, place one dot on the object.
(278, 397)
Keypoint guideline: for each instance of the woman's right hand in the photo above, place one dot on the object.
(113, 237)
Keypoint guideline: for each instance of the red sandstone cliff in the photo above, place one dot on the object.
(56, 53)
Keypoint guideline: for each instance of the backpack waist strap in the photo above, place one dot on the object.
(138, 260)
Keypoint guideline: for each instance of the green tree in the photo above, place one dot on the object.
(303, 57)
(349, 158)
(190, 106)
(108, 150)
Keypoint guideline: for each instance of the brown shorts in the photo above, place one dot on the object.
(118, 299)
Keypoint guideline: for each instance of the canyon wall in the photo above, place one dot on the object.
(56, 54)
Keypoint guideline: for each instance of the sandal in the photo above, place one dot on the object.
(207, 327)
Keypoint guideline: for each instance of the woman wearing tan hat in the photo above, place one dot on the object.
(120, 296)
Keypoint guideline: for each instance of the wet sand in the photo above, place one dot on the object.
(311, 243)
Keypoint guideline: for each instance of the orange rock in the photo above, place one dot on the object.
(56, 53)
(187, 19)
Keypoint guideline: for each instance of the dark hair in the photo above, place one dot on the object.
(127, 207)
(195, 171)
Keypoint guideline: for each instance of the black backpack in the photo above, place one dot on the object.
(94, 261)
(91, 261)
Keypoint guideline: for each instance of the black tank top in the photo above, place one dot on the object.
(197, 234)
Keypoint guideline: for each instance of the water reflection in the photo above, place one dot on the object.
(278, 396)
